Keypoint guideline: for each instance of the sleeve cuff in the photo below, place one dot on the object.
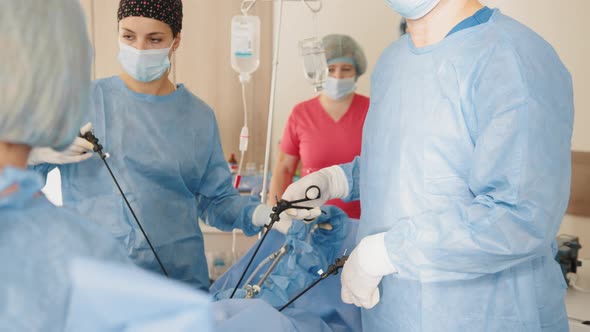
(351, 174)
(374, 257)
(339, 187)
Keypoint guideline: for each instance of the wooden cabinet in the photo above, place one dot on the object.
(579, 203)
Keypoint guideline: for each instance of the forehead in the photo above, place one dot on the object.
(341, 64)
(144, 25)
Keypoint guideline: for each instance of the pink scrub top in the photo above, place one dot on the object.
(318, 141)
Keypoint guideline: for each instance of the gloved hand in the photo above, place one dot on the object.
(332, 183)
(363, 271)
(80, 150)
(261, 217)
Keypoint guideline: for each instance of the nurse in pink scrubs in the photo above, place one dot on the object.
(327, 129)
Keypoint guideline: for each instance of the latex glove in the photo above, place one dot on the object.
(363, 271)
(80, 150)
(332, 183)
(261, 217)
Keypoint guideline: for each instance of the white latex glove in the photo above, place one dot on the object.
(332, 183)
(261, 217)
(80, 150)
(363, 271)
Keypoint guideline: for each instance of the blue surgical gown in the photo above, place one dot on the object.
(465, 165)
(108, 297)
(256, 315)
(166, 154)
(37, 243)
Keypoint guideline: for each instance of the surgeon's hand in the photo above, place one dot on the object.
(80, 150)
(332, 183)
(363, 271)
(261, 217)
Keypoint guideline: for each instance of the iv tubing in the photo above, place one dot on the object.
(271, 104)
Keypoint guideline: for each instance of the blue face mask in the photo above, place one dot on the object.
(144, 65)
(339, 88)
(413, 9)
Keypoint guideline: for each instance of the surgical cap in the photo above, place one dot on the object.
(343, 47)
(167, 11)
(44, 71)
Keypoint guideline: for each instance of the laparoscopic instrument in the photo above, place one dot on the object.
(89, 136)
(332, 270)
(311, 193)
(275, 257)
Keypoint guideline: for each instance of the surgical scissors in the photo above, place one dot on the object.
(332, 270)
(311, 193)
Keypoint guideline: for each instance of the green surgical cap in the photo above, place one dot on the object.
(45, 72)
(342, 46)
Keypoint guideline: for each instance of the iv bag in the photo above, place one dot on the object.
(314, 62)
(245, 45)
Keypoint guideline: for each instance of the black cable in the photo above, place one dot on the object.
(301, 293)
(89, 136)
(332, 270)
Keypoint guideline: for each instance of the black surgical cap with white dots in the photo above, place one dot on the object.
(167, 11)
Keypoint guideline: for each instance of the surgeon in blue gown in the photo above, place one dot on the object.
(44, 285)
(42, 90)
(164, 149)
(464, 177)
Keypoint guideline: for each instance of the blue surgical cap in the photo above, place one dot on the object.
(342, 48)
(44, 71)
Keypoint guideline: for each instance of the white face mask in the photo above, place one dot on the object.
(413, 9)
(338, 88)
(144, 65)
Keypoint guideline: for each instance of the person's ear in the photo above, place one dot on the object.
(177, 40)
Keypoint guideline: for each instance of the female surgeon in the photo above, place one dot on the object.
(164, 149)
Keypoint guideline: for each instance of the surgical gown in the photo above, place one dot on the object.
(116, 298)
(466, 166)
(166, 154)
(37, 243)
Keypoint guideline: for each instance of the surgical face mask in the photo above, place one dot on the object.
(338, 88)
(412, 9)
(144, 65)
